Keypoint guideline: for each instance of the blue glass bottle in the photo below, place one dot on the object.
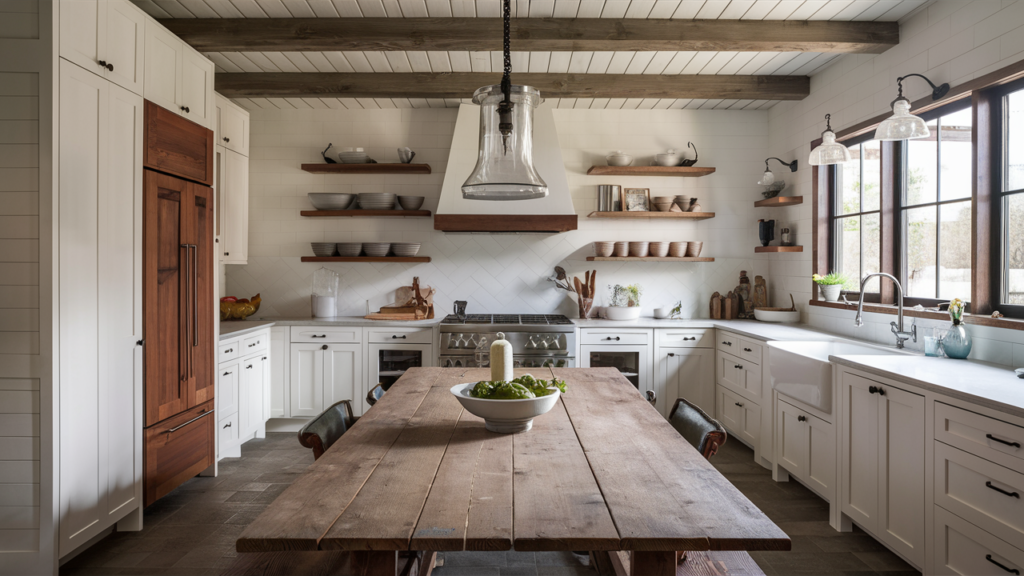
(957, 342)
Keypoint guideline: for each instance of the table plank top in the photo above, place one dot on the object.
(601, 471)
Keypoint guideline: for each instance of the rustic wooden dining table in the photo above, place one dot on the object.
(602, 471)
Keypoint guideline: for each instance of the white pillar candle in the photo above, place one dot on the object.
(501, 359)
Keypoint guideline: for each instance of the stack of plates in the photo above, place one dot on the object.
(377, 201)
(353, 156)
(350, 249)
(323, 249)
(405, 249)
(376, 249)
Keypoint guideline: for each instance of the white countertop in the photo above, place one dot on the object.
(345, 321)
(752, 328)
(235, 328)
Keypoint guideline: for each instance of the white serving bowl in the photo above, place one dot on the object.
(330, 200)
(504, 416)
(622, 312)
(406, 249)
(376, 249)
(618, 158)
(776, 315)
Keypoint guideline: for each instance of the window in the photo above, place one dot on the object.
(1011, 200)
(935, 208)
(856, 222)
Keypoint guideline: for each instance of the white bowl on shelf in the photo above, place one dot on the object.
(376, 249)
(349, 249)
(405, 249)
(353, 156)
(622, 313)
(330, 200)
(504, 416)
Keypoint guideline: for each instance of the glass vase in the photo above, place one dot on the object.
(957, 342)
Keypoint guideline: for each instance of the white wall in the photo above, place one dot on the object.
(950, 41)
(499, 272)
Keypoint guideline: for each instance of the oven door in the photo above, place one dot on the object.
(633, 362)
(519, 361)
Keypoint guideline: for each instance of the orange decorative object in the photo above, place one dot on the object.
(239, 310)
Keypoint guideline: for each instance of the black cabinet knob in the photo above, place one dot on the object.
(747, 350)
(738, 404)
(185, 109)
(671, 354)
(140, 342)
(801, 418)
(226, 139)
(324, 347)
(106, 65)
(227, 253)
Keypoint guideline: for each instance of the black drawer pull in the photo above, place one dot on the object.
(226, 373)
(254, 344)
(989, 484)
(1001, 441)
(689, 338)
(881, 391)
(396, 337)
(610, 338)
(1010, 570)
(140, 342)
(747, 350)
(726, 343)
(228, 425)
(229, 350)
(264, 357)
(801, 418)
(671, 354)
(876, 390)
(226, 139)
(737, 366)
(738, 404)
(248, 367)
(185, 109)
(318, 336)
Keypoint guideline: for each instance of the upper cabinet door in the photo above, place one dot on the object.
(125, 42)
(234, 194)
(196, 101)
(163, 67)
(232, 126)
(82, 30)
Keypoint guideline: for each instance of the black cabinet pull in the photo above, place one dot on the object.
(227, 253)
(324, 347)
(397, 337)
(228, 425)
(140, 342)
(737, 366)
(881, 391)
(610, 338)
(801, 418)
(989, 484)
(185, 109)
(229, 350)
(873, 389)
(248, 367)
(226, 139)
(226, 374)
(685, 338)
(738, 404)
(747, 350)
(1001, 441)
(264, 357)
(106, 65)
(318, 336)
(726, 343)
(1010, 570)
(671, 354)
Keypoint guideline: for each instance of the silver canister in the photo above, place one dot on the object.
(606, 196)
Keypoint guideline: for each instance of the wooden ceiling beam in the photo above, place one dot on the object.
(532, 34)
(463, 84)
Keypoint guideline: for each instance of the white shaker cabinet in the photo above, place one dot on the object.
(806, 448)
(243, 387)
(322, 374)
(882, 466)
(100, 242)
(233, 213)
(685, 373)
(107, 38)
(177, 77)
(251, 395)
(277, 400)
(232, 126)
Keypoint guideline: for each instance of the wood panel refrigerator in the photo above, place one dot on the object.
(178, 312)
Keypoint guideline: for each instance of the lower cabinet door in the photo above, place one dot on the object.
(306, 367)
(228, 376)
(741, 417)
(250, 396)
(860, 440)
(343, 374)
(227, 432)
(821, 457)
(686, 373)
(793, 435)
(901, 472)
(962, 548)
(278, 373)
(178, 449)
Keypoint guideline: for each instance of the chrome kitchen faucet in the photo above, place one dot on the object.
(897, 329)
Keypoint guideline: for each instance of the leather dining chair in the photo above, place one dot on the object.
(320, 433)
(702, 431)
(375, 393)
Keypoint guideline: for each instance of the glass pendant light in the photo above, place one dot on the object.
(829, 151)
(504, 167)
(903, 125)
(768, 178)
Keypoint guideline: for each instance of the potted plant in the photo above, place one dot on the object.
(624, 302)
(831, 285)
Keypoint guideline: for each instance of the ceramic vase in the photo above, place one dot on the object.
(957, 342)
(766, 231)
(830, 291)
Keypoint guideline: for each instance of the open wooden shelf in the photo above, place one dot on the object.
(670, 215)
(366, 259)
(779, 201)
(760, 249)
(686, 171)
(646, 259)
(325, 168)
(364, 213)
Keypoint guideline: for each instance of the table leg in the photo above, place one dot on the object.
(652, 563)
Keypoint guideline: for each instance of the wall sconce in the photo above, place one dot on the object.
(769, 178)
(903, 125)
(829, 151)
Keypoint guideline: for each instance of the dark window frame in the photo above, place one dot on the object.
(835, 214)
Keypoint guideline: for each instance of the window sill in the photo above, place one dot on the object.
(1007, 323)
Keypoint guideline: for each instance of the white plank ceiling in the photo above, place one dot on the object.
(745, 63)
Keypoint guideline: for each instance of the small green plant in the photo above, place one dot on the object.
(832, 279)
(677, 311)
(956, 311)
(626, 296)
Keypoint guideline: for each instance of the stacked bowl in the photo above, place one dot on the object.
(350, 249)
(410, 202)
(405, 249)
(377, 201)
(353, 156)
(663, 203)
(604, 249)
(330, 201)
(659, 249)
(322, 249)
(376, 249)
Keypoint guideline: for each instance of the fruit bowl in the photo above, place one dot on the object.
(504, 416)
(239, 310)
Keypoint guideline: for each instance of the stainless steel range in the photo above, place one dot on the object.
(537, 339)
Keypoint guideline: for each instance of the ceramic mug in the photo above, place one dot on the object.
(661, 313)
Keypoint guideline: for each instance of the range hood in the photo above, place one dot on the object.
(551, 214)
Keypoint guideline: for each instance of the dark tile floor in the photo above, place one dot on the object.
(193, 529)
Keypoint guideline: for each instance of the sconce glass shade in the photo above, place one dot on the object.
(500, 173)
(767, 179)
(829, 151)
(902, 125)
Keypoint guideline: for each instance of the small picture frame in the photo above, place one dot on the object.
(636, 199)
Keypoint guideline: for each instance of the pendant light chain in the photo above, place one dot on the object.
(505, 107)
(506, 80)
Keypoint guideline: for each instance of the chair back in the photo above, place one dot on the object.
(322, 432)
(375, 393)
(699, 429)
